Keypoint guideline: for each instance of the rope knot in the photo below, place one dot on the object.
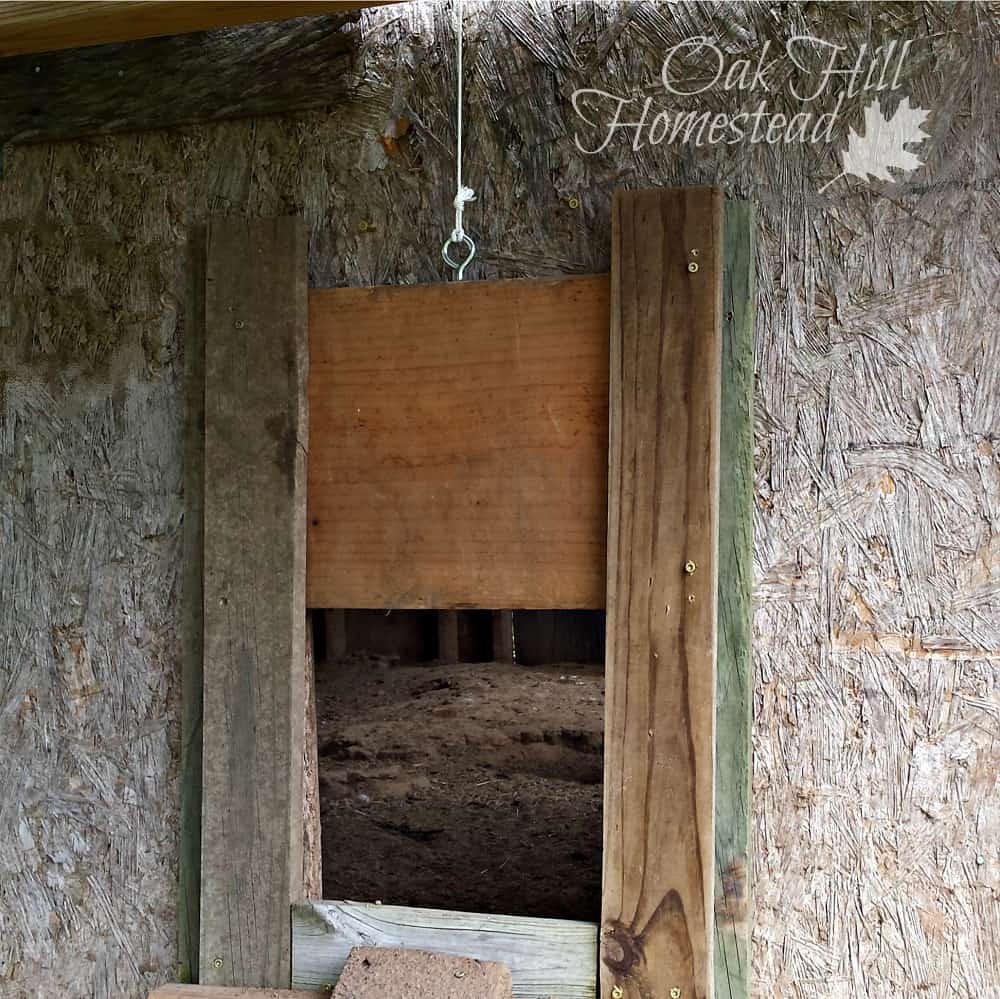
(464, 195)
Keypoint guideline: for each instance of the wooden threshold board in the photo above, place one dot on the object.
(548, 958)
(459, 445)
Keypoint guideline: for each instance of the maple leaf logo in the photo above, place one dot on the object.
(883, 145)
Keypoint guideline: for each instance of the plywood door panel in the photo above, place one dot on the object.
(458, 445)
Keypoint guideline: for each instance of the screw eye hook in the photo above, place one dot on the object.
(459, 238)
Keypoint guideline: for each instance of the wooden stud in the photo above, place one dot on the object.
(733, 684)
(256, 437)
(657, 915)
(447, 622)
(548, 958)
(312, 826)
(503, 636)
(336, 633)
(189, 858)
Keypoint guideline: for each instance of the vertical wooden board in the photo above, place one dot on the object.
(312, 826)
(656, 932)
(733, 707)
(189, 851)
(255, 446)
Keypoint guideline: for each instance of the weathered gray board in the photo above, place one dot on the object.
(734, 669)
(159, 82)
(256, 435)
(548, 958)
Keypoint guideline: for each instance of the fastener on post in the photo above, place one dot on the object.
(689, 567)
(217, 963)
(675, 993)
(617, 992)
(692, 267)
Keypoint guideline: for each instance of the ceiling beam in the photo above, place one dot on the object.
(27, 27)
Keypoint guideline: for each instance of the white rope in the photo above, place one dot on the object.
(463, 194)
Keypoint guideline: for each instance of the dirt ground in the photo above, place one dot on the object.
(474, 787)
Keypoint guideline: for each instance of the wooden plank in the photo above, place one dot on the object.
(733, 682)
(256, 435)
(657, 922)
(312, 826)
(189, 848)
(447, 627)
(459, 445)
(159, 83)
(548, 958)
(30, 26)
(503, 636)
(224, 992)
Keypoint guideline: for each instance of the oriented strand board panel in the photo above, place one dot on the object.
(256, 436)
(548, 958)
(459, 443)
(657, 900)
(734, 667)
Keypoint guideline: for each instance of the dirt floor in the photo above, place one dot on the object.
(474, 787)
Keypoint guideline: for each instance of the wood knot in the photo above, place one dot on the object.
(620, 950)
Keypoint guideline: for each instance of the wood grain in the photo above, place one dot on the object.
(735, 669)
(193, 635)
(225, 992)
(548, 958)
(312, 825)
(29, 26)
(256, 435)
(157, 83)
(663, 466)
(459, 445)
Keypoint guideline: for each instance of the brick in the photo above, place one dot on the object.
(392, 973)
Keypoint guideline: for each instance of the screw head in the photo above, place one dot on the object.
(692, 267)
(617, 992)
(573, 202)
(689, 567)
(694, 253)
(675, 993)
(217, 963)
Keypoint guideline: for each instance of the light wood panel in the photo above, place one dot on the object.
(734, 673)
(657, 925)
(548, 958)
(459, 444)
(256, 436)
(43, 27)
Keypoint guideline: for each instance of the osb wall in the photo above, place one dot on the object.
(877, 700)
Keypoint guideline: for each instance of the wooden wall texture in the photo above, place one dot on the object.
(877, 486)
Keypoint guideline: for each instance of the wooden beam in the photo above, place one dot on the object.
(193, 637)
(312, 824)
(43, 27)
(733, 684)
(657, 922)
(503, 636)
(447, 629)
(459, 446)
(162, 82)
(255, 444)
(548, 958)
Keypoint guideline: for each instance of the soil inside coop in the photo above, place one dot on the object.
(470, 786)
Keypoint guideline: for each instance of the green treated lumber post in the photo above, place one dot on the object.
(733, 679)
